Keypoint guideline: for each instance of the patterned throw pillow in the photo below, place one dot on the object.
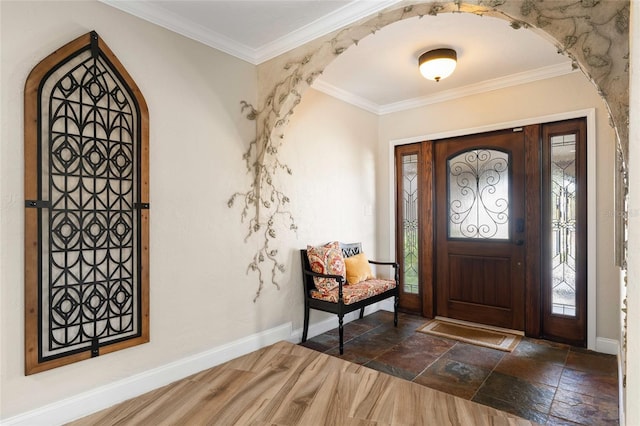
(326, 259)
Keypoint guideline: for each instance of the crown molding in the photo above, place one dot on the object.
(447, 95)
(482, 87)
(339, 18)
(169, 20)
(346, 96)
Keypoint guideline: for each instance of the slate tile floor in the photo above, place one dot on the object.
(545, 382)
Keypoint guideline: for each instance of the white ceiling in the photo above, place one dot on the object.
(380, 74)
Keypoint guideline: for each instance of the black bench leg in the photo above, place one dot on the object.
(341, 333)
(362, 312)
(396, 300)
(305, 327)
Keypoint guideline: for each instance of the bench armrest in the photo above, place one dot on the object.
(339, 278)
(394, 264)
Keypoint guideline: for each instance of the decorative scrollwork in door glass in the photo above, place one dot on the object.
(478, 189)
(563, 224)
(410, 222)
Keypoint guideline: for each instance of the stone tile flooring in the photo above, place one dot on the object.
(545, 382)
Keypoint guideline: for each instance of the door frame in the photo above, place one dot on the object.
(590, 115)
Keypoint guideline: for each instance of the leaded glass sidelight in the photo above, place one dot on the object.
(563, 224)
(86, 161)
(478, 191)
(410, 222)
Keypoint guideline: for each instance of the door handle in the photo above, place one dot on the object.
(519, 242)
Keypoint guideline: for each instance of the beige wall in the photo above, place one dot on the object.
(559, 95)
(331, 147)
(201, 296)
(196, 132)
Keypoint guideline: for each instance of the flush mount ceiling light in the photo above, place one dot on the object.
(437, 64)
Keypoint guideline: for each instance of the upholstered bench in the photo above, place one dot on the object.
(337, 278)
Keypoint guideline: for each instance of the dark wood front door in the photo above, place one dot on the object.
(480, 235)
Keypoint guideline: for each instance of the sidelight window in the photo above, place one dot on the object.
(410, 222)
(563, 224)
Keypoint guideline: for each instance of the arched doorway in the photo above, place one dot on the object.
(602, 55)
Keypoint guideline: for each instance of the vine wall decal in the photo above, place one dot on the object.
(263, 204)
(593, 33)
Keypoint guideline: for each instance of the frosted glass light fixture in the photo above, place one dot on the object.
(437, 64)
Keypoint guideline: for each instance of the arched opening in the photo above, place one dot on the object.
(605, 69)
(602, 55)
(383, 221)
(605, 75)
(436, 111)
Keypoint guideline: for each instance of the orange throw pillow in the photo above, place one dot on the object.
(358, 268)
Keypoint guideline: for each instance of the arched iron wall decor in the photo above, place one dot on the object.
(593, 33)
(86, 207)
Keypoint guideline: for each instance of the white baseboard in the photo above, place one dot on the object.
(81, 405)
(86, 403)
(612, 347)
(385, 305)
(607, 346)
(105, 396)
(332, 322)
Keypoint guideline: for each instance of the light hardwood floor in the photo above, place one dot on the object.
(286, 384)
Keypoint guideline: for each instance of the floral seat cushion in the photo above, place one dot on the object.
(353, 293)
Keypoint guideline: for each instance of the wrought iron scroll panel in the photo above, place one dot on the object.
(478, 194)
(89, 205)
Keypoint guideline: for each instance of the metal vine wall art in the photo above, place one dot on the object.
(264, 205)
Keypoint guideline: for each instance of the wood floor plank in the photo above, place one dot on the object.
(221, 388)
(296, 396)
(372, 400)
(286, 384)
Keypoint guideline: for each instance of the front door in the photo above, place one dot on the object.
(480, 218)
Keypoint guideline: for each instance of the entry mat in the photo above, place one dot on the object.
(474, 335)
